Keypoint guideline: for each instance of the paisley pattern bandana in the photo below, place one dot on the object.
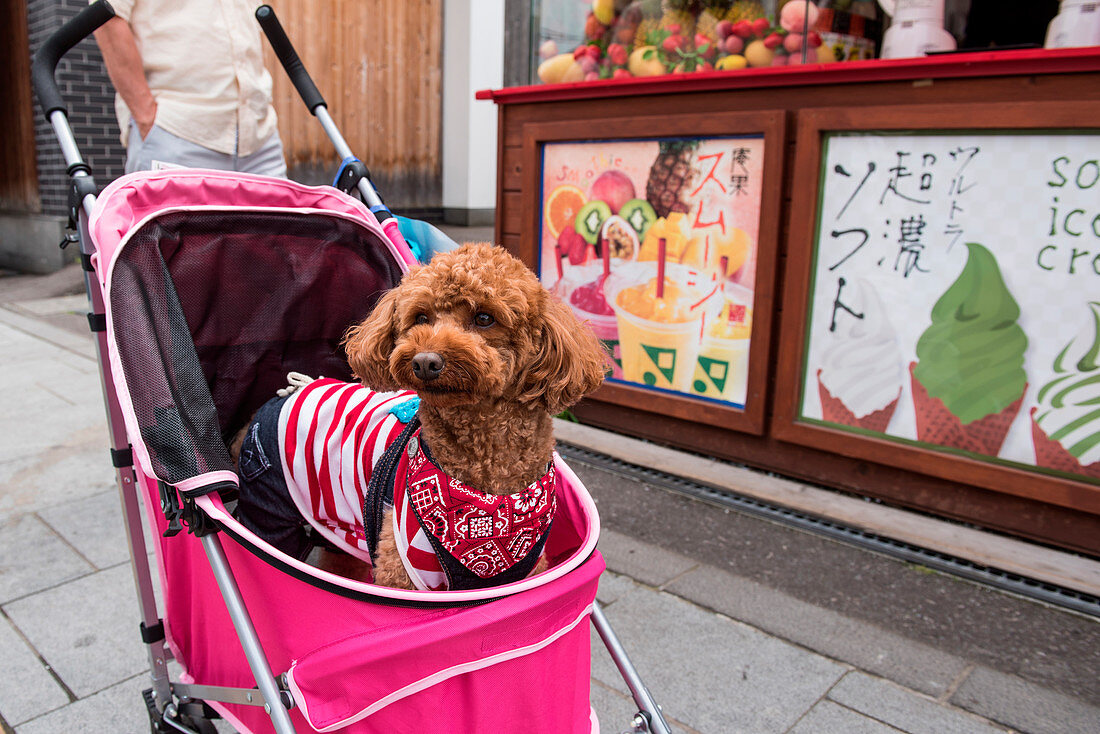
(487, 534)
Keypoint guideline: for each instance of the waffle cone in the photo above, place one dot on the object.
(938, 425)
(1050, 454)
(834, 410)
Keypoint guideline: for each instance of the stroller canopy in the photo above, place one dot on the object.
(216, 285)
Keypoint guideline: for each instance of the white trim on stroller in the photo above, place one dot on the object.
(213, 506)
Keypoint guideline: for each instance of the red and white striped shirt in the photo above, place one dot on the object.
(332, 435)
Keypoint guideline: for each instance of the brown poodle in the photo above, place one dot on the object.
(493, 357)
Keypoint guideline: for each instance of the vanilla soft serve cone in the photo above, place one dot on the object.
(861, 372)
(969, 380)
(1065, 425)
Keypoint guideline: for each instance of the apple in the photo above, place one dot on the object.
(792, 42)
(613, 188)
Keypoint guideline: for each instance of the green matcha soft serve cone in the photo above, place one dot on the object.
(1065, 425)
(969, 380)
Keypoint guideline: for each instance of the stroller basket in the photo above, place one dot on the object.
(215, 285)
(206, 288)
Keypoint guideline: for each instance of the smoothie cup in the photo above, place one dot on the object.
(588, 302)
(659, 353)
(722, 367)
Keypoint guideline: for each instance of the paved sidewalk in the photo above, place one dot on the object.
(737, 625)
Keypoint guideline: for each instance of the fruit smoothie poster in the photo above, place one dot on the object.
(956, 295)
(654, 243)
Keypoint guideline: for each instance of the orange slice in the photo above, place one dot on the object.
(562, 206)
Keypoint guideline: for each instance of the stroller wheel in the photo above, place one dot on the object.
(174, 721)
(183, 723)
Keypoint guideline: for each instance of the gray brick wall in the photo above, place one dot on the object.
(89, 96)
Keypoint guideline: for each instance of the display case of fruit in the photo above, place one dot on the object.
(615, 39)
(716, 196)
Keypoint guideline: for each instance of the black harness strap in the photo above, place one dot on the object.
(380, 488)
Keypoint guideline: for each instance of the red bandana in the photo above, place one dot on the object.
(488, 534)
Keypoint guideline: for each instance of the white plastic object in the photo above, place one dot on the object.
(916, 28)
(1077, 24)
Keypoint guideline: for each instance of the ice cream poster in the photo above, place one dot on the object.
(653, 242)
(956, 295)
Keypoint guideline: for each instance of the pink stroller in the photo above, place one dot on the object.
(207, 287)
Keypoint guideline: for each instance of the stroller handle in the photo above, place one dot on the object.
(288, 57)
(82, 25)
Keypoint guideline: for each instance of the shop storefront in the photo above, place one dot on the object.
(876, 275)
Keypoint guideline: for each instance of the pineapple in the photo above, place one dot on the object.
(681, 13)
(714, 11)
(650, 22)
(671, 175)
(745, 10)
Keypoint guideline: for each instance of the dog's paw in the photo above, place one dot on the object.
(295, 381)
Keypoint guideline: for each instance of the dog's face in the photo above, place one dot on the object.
(472, 326)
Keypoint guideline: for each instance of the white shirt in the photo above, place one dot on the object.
(203, 61)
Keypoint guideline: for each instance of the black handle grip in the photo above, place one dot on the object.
(284, 49)
(57, 45)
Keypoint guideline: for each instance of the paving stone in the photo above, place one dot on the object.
(613, 586)
(613, 708)
(93, 526)
(912, 712)
(712, 673)
(641, 561)
(853, 641)
(33, 558)
(1014, 702)
(829, 718)
(118, 709)
(60, 468)
(86, 630)
(27, 689)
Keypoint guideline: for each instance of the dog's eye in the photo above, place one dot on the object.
(421, 318)
(484, 320)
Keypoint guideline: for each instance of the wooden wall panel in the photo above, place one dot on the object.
(18, 172)
(378, 64)
(1053, 518)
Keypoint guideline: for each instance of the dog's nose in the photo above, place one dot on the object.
(427, 366)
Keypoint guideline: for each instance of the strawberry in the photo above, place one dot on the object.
(617, 53)
(773, 41)
(705, 46)
(621, 74)
(813, 39)
(742, 29)
(594, 52)
(579, 51)
(760, 25)
(673, 43)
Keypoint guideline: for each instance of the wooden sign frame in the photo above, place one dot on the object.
(813, 126)
(768, 124)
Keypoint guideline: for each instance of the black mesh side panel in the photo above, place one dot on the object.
(211, 310)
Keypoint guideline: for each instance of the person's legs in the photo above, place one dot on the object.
(267, 161)
(163, 149)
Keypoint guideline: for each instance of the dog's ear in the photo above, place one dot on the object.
(370, 343)
(569, 360)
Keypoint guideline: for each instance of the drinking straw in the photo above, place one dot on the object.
(605, 251)
(662, 252)
(725, 266)
(557, 260)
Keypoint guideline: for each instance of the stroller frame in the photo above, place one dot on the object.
(180, 706)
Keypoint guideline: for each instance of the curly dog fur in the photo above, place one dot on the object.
(510, 357)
